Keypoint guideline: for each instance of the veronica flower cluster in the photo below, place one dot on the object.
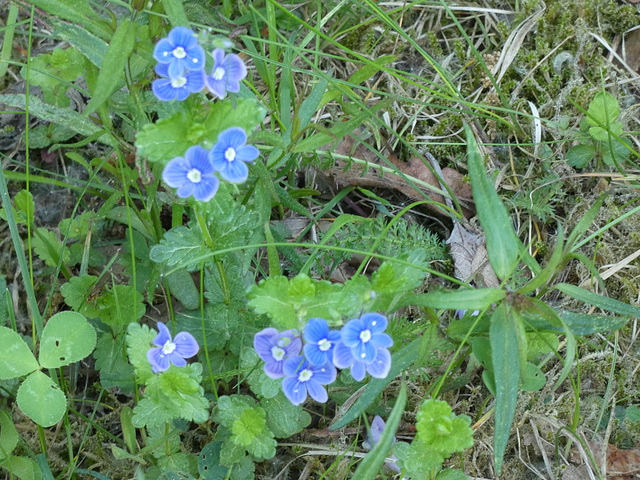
(360, 345)
(181, 67)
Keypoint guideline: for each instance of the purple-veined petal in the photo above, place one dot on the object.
(364, 352)
(162, 69)
(198, 158)
(294, 347)
(177, 359)
(381, 365)
(351, 332)
(316, 329)
(374, 322)
(231, 86)
(158, 360)
(175, 172)
(382, 340)
(186, 345)
(163, 335)
(206, 189)
(293, 365)
(235, 172)
(182, 37)
(314, 355)
(185, 190)
(181, 94)
(247, 153)
(294, 390)
(216, 157)
(218, 57)
(358, 370)
(342, 356)
(216, 87)
(325, 374)
(195, 81)
(162, 51)
(317, 391)
(233, 137)
(274, 369)
(195, 58)
(163, 90)
(235, 67)
(177, 68)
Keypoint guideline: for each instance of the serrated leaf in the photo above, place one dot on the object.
(41, 400)
(505, 356)
(248, 426)
(8, 435)
(76, 292)
(270, 297)
(139, 340)
(112, 69)
(442, 430)
(119, 306)
(502, 242)
(48, 247)
(229, 408)
(171, 137)
(16, 359)
(259, 382)
(180, 246)
(285, 419)
(67, 338)
(231, 452)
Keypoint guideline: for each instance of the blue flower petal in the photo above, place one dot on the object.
(235, 68)
(351, 333)
(263, 341)
(247, 153)
(342, 356)
(294, 390)
(274, 369)
(358, 371)
(162, 51)
(364, 352)
(382, 340)
(163, 90)
(325, 374)
(185, 190)
(233, 137)
(159, 361)
(216, 87)
(163, 335)
(206, 189)
(162, 69)
(186, 345)
(195, 81)
(176, 68)
(198, 158)
(374, 322)
(182, 94)
(182, 37)
(317, 391)
(175, 358)
(314, 355)
(381, 365)
(316, 329)
(235, 172)
(195, 59)
(293, 365)
(294, 347)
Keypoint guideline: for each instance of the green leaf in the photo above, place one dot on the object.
(399, 362)
(229, 409)
(23, 468)
(8, 435)
(119, 306)
(25, 205)
(464, 298)
(533, 378)
(180, 246)
(60, 116)
(370, 466)
(88, 44)
(616, 151)
(76, 293)
(505, 356)
(48, 247)
(442, 430)
(502, 242)
(139, 341)
(284, 419)
(580, 155)
(112, 69)
(270, 297)
(184, 289)
(605, 303)
(75, 11)
(41, 400)
(250, 424)
(259, 382)
(585, 222)
(209, 462)
(175, 12)
(67, 338)
(602, 113)
(16, 359)
(171, 137)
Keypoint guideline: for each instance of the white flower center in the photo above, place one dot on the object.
(230, 154)
(365, 336)
(179, 82)
(218, 73)
(374, 323)
(179, 52)
(305, 375)
(168, 347)
(324, 345)
(277, 353)
(194, 175)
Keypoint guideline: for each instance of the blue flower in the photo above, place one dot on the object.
(190, 81)
(183, 346)
(180, 50)
(229, 154)
(365, 335)
(228, 71)
(378, 368)
(192, 175)
(373, 437)
(303, 378)
(274, 348)
(319, 341)
(462, 313)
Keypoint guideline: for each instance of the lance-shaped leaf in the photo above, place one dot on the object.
(502, 241)
(464, 298)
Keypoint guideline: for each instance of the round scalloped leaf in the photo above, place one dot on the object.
(8, 435)
(209, 462)
(41, 400)
(16, 359)
(67, 338)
